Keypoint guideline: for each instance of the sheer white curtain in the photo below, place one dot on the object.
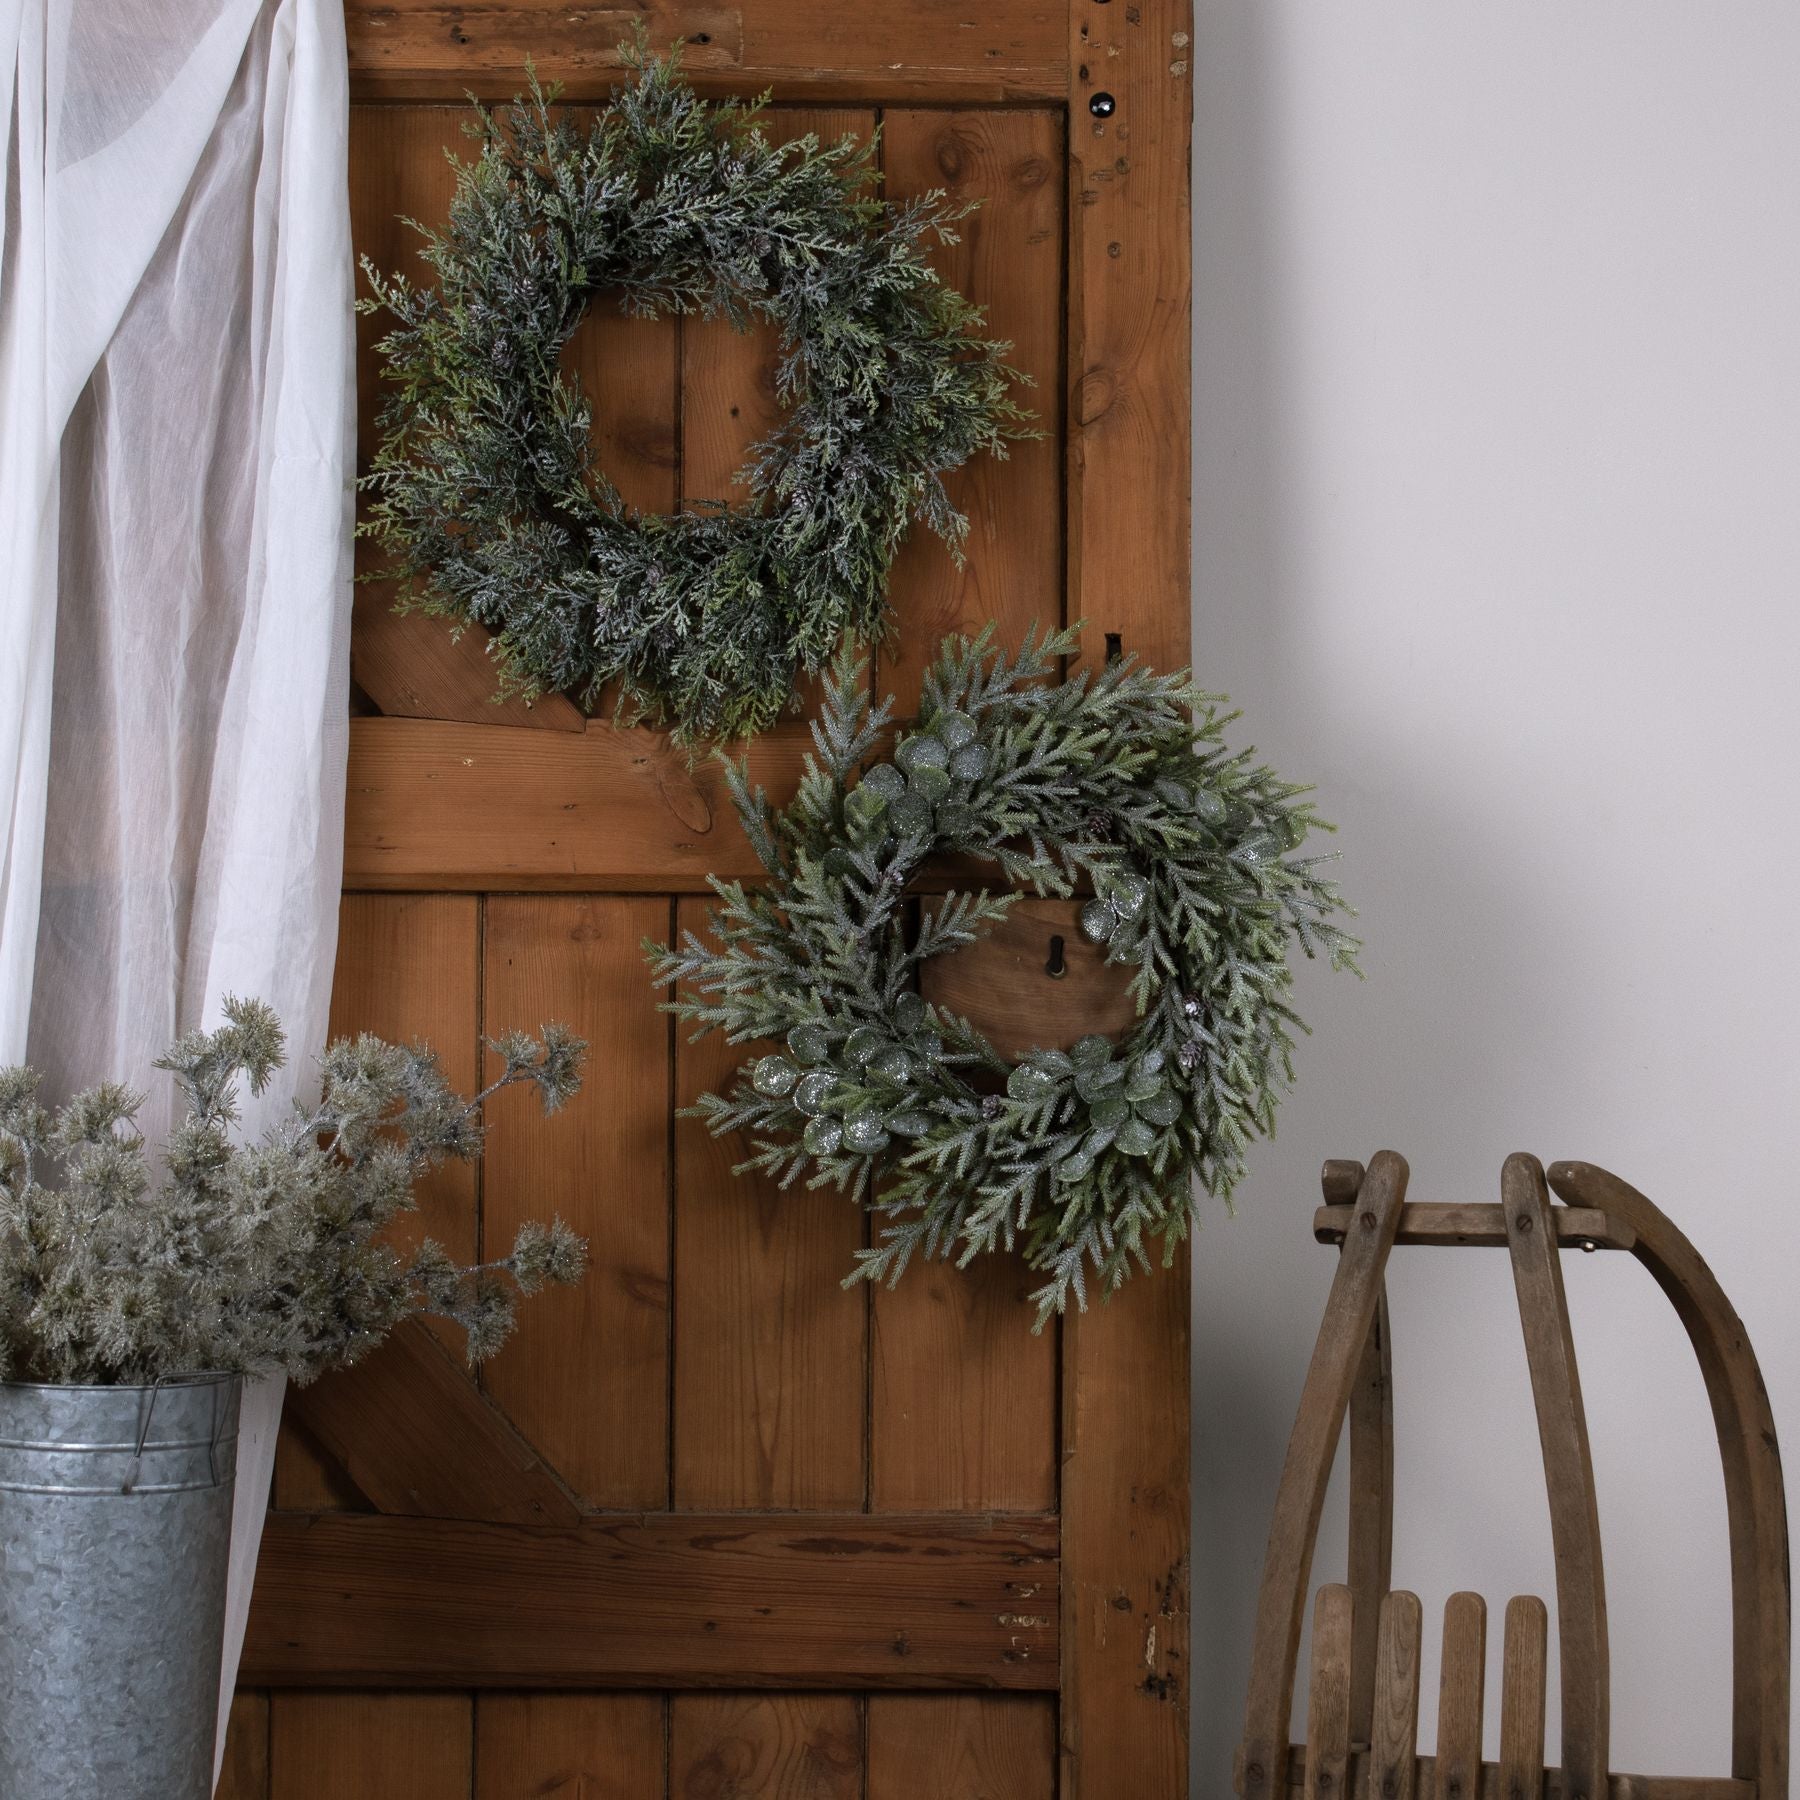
(176, 453)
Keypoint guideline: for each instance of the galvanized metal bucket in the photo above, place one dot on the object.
(115, 1523)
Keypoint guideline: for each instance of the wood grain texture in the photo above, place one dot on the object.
(570, 1747)
(1130, 282)
(1481, 1227)
(586, 1375)
(1522, 1698)
(1294, 1527)
(371, 1746)
(962, 1747)
(927, 50)
(1586, 1672)
(770, 1347)
(765, 1747)
(423, 40)
(408, 969)
(1328, 1695)
(964, 1397)
(1123, 1724)
(829, 1600)
(409, 1427)
(450, 806)
(1009, 258)
(412, 666)
(245, 1774)
(1371, 1562)
(1125, 1366)
(1755, 1496)
(1004, 987)
(1394, 1723)
(1461, 1688)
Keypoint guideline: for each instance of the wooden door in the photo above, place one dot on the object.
(713, 1525)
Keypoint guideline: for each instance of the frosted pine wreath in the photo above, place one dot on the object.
(486, 495)
(1119, 783)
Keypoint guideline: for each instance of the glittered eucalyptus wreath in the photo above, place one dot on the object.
(1118, 783)
(486, 495)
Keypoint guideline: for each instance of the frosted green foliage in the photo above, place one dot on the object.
(255, 1257)
(1118, 785)
(485, 492)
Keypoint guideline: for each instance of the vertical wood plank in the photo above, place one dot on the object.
(1125, 1365)
(962, 1747)
(574, 1746)
(770, 1348)
(1130, 283)
(370, 1746)
(408, 969)
(410, 665)
(1009, 261)
(765, 1747)
(1394, 1724)
(1522, 1682)
(1463, 1673)
(585, 1377)
(964, 1403)
(245, 1775)
(1123, 1725)
(1328, 1695)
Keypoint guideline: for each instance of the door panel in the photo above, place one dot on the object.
(713, 1524)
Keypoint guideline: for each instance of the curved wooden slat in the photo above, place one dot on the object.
(1371, 1567)
(1755, 1496)
(1569, 1474)
(1294, 1529)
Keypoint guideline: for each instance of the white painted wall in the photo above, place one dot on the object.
(1497, 538)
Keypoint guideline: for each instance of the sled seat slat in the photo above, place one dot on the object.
(1522, 1682)
(1394, 1748)
(1460, 1693)
(1328, 1700)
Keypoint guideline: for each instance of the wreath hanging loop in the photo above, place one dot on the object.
(485, 492)
(1118, 785)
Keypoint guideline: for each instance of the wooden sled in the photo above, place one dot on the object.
(1362, 1716)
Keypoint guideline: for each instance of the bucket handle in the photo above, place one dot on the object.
(137, 1455)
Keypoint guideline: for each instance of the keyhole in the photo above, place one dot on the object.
(1054, 966)
(1115, 647)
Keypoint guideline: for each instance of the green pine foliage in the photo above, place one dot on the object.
(485, 492)
(261, 1257)
(1117, 785)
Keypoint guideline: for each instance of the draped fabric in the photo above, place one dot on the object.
(176, 454)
